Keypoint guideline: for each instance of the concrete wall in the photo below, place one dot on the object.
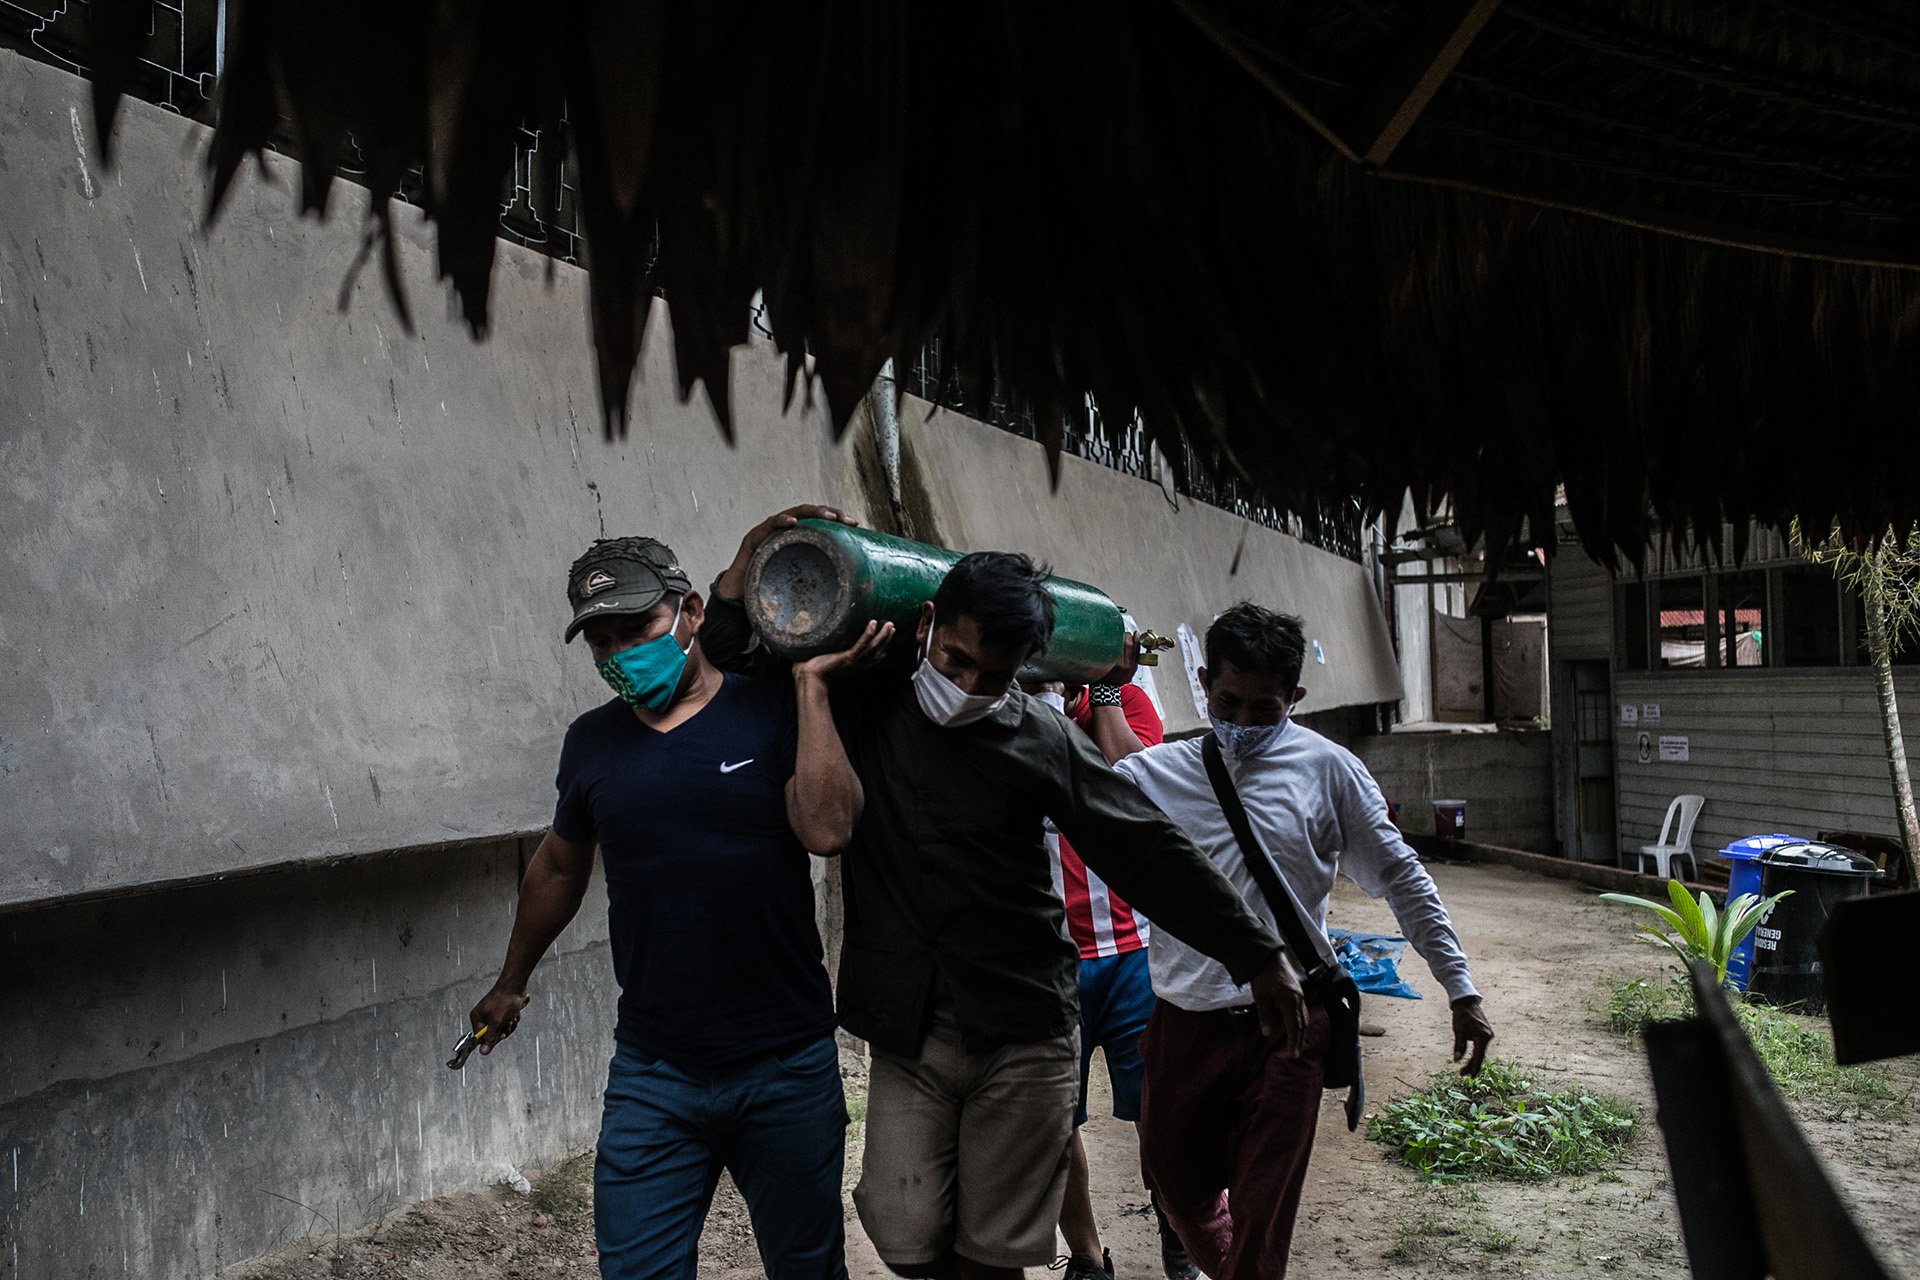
(261, 559)
(283, 685)
(184, 1070)
(284, 595)
(1169, 565)
(1506, 778)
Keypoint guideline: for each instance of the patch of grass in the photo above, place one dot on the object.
(1500, 1125)
(1498, 1241)
(566, 1190)
(1798, 1054)
(1422, 1238)
(408, 1231)
(1659, 1248)
(1796, 1051)
(1454, 1196)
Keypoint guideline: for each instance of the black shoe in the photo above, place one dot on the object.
(1080, 1267)
(1173, 1255)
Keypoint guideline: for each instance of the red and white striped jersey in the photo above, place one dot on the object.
(1099, 922)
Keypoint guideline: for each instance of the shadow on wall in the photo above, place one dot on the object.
(1505, 778)
(207, 1072)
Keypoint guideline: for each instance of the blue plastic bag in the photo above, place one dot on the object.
(1369, 959)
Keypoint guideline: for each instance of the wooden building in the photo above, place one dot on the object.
(1746, 684)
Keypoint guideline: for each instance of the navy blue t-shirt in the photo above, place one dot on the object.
(710, 896)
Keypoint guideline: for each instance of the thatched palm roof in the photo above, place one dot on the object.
(1660, 252)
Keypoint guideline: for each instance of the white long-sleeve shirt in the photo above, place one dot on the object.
(1319, 813)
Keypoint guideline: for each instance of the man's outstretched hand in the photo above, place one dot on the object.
(1281, 1004)
(1129, 664)
(1471, 1031)
(733, 583)
(866, 652)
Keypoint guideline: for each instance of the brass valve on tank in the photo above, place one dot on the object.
(1151, 643)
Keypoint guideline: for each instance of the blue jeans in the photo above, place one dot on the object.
(776, 1123)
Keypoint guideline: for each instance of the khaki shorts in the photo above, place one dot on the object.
(968, 1151)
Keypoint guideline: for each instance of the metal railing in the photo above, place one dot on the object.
(1126, 448)
(177, 67)
(181, 62)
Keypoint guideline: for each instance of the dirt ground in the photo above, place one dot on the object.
(1544, 953)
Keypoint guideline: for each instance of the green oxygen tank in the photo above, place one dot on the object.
(811, 589)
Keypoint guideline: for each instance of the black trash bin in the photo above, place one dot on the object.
(1786, 946)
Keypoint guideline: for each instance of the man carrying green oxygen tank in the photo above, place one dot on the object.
(704, 793)
(956, 967)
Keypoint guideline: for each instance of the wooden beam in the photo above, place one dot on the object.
(1486, 669)
(1661, 222)
(1444, 579)
(1384, 119)
(1232, 46)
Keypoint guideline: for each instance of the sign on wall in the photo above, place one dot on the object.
(1673, 748)
(1191, 655)
(1650, 713)
(1646, 747)
(1629, 713)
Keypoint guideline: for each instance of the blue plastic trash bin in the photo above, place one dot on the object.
(1743, 876)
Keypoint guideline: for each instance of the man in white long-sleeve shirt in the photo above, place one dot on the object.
(1228, 1116)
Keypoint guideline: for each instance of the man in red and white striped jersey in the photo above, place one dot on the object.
(1116, 992)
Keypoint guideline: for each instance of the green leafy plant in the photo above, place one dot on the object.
(1498, 1124)
(1701, 931)
(1632, 1005)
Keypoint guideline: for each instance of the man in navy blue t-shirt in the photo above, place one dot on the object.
(704, 793)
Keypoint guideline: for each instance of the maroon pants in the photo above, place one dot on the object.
(1226, 1127)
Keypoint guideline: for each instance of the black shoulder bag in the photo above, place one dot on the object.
(1325, 983)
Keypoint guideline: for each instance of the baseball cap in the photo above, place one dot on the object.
(622, 575)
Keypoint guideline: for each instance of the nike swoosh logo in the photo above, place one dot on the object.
(729, 768)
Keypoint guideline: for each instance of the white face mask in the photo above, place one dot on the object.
(1057, 701)
(1244, 741)
(943, 701)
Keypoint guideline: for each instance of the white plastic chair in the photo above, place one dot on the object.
(1665, 851)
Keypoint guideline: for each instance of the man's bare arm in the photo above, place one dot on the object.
(824, 796)
(550, 895)
(1107, 724)
(1111, 733)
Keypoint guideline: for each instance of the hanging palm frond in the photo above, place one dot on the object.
(1660, 254)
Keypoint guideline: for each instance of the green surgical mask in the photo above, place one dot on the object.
(648, 674)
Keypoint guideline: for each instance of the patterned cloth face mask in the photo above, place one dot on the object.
(647, 675)
(1244, 741)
